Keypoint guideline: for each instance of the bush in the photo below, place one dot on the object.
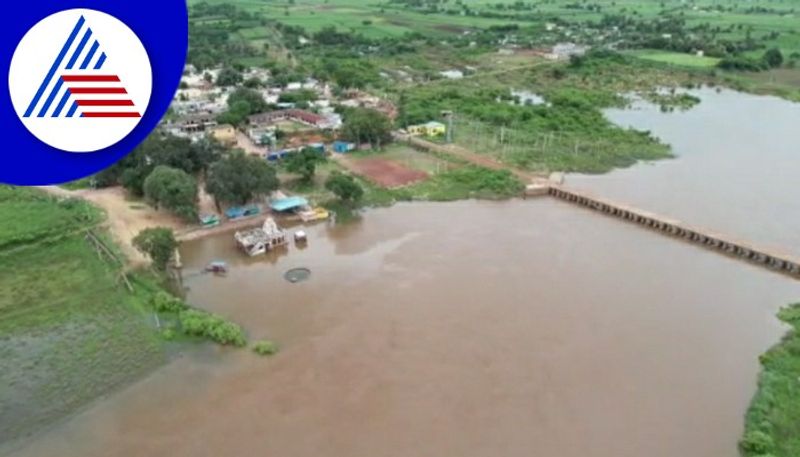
(207, 325)
(757, 443)
(164, 302)
(265, 347)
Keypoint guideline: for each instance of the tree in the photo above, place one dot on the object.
(365, 125)
(304, 163)
(174, 190)
(773, 57)
(242, 103)
(228, 77)
(238, 178)
(158, 243)
(160, 149)
(344, 187)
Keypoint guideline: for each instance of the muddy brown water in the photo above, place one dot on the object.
(481, 329)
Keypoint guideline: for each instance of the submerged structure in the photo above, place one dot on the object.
(258, 241)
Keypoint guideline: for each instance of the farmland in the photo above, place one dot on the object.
(69, 332)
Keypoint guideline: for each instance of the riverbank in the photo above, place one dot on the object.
(772, 426)
(70, 332)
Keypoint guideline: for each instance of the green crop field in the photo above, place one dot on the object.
(69, 332)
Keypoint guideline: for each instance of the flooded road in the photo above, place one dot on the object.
(478, 329)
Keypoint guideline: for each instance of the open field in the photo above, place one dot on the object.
(676, 58)
(69, 332)
(385, 172)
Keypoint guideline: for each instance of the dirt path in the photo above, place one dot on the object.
(126, 218)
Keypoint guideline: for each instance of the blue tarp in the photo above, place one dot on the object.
(342, 147)
(238, 211)
(285, 204)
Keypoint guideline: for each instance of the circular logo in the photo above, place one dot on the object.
(80, 80)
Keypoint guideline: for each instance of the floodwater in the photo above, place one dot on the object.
(488, 329)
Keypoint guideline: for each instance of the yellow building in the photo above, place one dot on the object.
(225, 134)
(432, 128)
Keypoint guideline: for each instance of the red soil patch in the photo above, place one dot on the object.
(386, 173)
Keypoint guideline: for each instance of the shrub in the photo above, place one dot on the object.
(265, 347)
(207, 325)
(164, 302)
(756, 443)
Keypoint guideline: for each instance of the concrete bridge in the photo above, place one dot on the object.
(774, 261)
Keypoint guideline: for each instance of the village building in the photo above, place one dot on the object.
(431, 128)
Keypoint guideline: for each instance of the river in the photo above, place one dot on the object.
(527, 327)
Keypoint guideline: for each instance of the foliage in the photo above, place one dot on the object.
(742, 63)
(344, 187)
(238, 178)
(158, 243)
(174, 190)
(164, 302)
(207, 325)
(772, 425)
(242, 103)
(160, 149)
(265, 347)
(304, 163)
(228, 77)
(365, 125)
(468, 182)
(773, 57)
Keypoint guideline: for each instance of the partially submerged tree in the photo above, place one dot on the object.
(174, 190)
(158, 243)
(344, 187)
(238, 178)
(304, 163)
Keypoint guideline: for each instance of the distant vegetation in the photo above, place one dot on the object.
(773, 421)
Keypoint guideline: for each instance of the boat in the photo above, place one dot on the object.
(217, 267)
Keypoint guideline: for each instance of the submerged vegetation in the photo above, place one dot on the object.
(772, 425)
(69, 330)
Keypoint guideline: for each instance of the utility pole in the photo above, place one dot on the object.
(447, 114)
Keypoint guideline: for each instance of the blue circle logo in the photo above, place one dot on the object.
(86, 84)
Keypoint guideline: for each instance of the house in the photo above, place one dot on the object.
(342, 147)
(199, 122)
(224, 133)
(297, 115)
(431, 128)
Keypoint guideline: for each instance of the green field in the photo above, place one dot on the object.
(69, 332)
(677, 58)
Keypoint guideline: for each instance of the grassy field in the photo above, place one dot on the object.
(69, 332)
(773, 420)
(676, 58)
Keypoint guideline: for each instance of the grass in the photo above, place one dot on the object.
(69, 332)
(27, 215)
(676, 58)
(772, 426)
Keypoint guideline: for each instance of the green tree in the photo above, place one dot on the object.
(344, 187)
(773, 58)
(228, 77)
(238, 178)
(174, 190)
(158, 243)
(304, 163)
(365, 125)
(242, 103)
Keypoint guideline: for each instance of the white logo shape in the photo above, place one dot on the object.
(80, 80)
